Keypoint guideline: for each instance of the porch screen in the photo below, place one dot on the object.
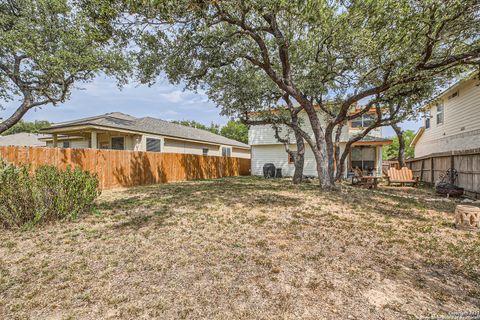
(363, 158)
(118, 143)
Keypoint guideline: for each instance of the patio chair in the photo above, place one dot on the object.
(402, 176)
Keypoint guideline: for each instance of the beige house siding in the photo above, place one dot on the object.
(461, 126)
(240, 153)
(179, 146)
(138, 142)
(74, 143)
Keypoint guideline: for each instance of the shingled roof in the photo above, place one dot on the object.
(118, 120)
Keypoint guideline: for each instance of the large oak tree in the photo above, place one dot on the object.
(344, 52)
(46, 47)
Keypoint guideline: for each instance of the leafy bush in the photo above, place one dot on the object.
(49, 194)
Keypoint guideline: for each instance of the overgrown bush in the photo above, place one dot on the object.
(48, 194)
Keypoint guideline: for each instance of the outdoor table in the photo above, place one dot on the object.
(370, 181)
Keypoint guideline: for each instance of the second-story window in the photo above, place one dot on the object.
(439, 113)
(363, 122)
(427, 119)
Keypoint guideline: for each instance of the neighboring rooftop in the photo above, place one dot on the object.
(23, 139)
(148, 125)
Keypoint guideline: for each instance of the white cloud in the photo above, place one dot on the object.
(174, 96)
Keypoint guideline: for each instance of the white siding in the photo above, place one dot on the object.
(461, 127)
(276, 154)
(265, 134)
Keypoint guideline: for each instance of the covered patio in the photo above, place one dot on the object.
(95, 138)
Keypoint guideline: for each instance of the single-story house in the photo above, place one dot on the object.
(121, 131)
(365, 154)
(452, 120)
(23, 139)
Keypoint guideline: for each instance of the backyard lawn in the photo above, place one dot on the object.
(244, 248)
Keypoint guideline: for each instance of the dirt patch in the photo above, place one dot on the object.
(243, 248)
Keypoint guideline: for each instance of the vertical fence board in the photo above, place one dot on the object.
(467, 166)
(116, 168)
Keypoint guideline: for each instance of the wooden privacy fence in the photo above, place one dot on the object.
(467, 164)
(119, 168)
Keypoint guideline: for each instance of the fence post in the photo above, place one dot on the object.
(452, 166)
(432, 178)
(421, 170)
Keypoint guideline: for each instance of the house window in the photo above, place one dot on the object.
(363, 158)
(226, 152)
(66, 144)
(364, 121)
(291, 158)
(153, 145)
(439, 113)
(205, 151)
(427, 119)
(118, 143)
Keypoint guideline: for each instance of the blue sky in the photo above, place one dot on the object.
(163, 100)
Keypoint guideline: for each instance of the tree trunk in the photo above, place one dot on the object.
(16, 116)
(348, 148)
(299, 158)
(322, 148)
(323, 172)
(401, 145)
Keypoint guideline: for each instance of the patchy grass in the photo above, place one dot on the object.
(244, 248)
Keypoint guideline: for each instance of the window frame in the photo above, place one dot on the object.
(119, 137)
(362, 121)
(363, 161)
(157, 140)
(205, 151)
(441, 113)
(67, 143)
(428, 119)
(291, 158)
(226, 154)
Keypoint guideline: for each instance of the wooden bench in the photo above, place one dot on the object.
(402, 176)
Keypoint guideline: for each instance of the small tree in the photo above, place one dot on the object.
(235, 130)
(213, 128)
(25, 126)
(393, 151)
(46, 46)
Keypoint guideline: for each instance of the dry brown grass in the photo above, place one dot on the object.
(243, 248)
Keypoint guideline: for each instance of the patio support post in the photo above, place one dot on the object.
(55, 140)
(93, 140)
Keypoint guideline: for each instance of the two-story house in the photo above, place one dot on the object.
(365, 154)
(452, 120)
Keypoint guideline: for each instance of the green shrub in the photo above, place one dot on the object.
(49, 194)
